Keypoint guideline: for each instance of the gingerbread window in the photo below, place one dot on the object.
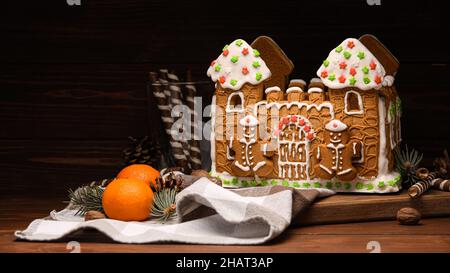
(353, 103)
(235, 102)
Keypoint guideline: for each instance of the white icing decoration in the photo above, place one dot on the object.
(388, 80)
(244, 168)
(360, 103)
(335, 58)
(300, 81)
(248, 120)
(315, 90)
(288, 105)
(259, 165)
(233, 70)
(325, 168)
(233, 109)
(344, 171)
(229, 156)
(335, 125)
(315, 80)
(361, 160)
(382, 157)
(265, 149)
(272, 89)
(293, 88)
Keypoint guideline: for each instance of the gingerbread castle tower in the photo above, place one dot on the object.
(338, 131)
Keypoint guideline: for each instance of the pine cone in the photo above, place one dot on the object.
(169, 181)
(142, 151)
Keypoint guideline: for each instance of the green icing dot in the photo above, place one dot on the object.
(326, 63)
(274, 182)
(217, 68)
(244, 183)
(254, 183)
(369, 187)
(264, 182)
(392, 183)
(285, 183)
(235, 181)
(296, 185)
(381, 184)
(234, 59)
(338, 185)
(225, 48)
(258, 76)
(347, 55)
(399, 106)
(256, 53)
(352, 80)
(332, 77)
(233, 82)
(256, 64)
(239, 42)
(360, 55)
(338, 49)
(317, 185)
(365, 69)
(347, 186)
(226, 182)
(329, 185)
(392, 111)
(359, 186)
(306, 185)
(366, 80)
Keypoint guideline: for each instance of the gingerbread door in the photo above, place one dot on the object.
(294, 135)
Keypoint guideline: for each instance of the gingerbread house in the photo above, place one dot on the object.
(338, 131)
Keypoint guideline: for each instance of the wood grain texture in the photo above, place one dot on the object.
(431, 236)
(348, 208)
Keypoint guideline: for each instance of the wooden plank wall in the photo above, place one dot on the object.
(73, 78)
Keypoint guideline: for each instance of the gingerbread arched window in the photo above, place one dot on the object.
(353, 104)
(235, 102)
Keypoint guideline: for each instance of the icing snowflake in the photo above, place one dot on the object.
(351, 64)
(238, 64)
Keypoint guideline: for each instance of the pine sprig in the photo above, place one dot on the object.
(407, 162)
(86, 198)
(164, 206)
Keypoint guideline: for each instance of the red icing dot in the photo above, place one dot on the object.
(324, 74)
(301, 122)
(293, 118)
(306, 128)
(248, 120)
(222, 79)
(225, 52)
(280, 125)
(310, 136)
(373, 65)
(335, 125)
(213, 63)
(342, 65)
(350, 44)
(378, 79)
(342, 79)
(352, 71)
(285, 120)
(245, 70)
(245, 51)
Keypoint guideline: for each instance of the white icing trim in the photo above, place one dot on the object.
(360, 104)
(335, 126)
(244, 141)
(388, 80)
(382, 156)
(272, 89)
(361, 160)
(315, 90)
(316, 80)
(265, 148)
(249, 121)
(229, 156)
(318, 152)
(259, 165)
(295, 103)
(293, 88)
(298, 81)
(244, 168)
(228, 109)
(212, 139)
(344, 171)
(326, 169)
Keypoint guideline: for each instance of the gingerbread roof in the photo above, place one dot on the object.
(238, 64)
(351, 64)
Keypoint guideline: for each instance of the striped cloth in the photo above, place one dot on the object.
(207, 214)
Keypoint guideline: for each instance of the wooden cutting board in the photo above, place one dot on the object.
(348, 208)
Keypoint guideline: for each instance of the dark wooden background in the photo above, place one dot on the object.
(73, 78)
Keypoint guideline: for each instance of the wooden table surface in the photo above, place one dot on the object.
(433, 235)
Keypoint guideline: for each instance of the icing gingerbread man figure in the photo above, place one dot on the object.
(335, 156)
(252, 156)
